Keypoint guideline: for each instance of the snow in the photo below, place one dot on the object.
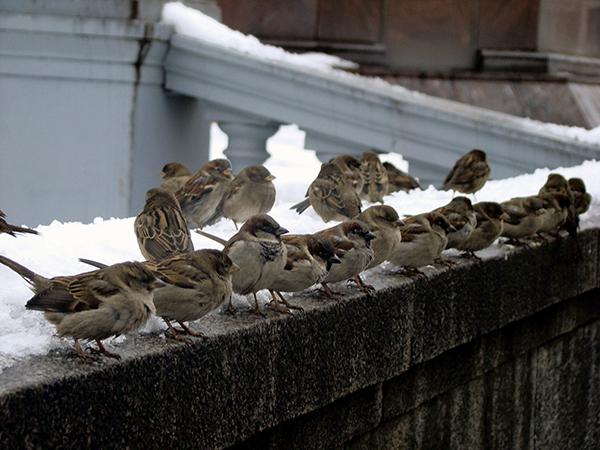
(194, 24)
(57, 249)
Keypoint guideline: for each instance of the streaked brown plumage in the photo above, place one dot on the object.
(197, 283)
(309, 258)
(352, 242)
(260, 254)
(174, 176)
(525, 217)
(331, 195)
(6, 227)
(490, 217)
(250, 193)
(469, 173)
(423, 240)
(375, 177)
(201, 194)
(160, 227)
(461, 216)
(556, 183)
(582, 198)
(399, 180)
(384, 223)
(93, 305)
(350, 167)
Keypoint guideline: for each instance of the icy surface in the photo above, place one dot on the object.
(194, 24)
(56, 250)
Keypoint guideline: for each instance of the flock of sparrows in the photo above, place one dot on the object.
(181, 284)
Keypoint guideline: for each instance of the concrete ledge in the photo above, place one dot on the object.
(255, 374)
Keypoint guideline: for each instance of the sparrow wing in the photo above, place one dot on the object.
(180, 271)
(163, 232)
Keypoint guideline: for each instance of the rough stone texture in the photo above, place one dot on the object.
(547, 398)
(256, 374)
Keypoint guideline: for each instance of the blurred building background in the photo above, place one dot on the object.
(530, 58)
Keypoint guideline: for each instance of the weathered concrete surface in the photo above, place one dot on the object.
(255, 374)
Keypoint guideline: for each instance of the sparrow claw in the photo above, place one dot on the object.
(470, 255)
(101, 350)
(187, 330)
(82, 354)
(230, 310)
(278, 307)
(176, 335)
(328, 292)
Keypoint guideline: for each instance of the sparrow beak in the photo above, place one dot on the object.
(269, 178)
(227, 172)
(451, 229)
(281, 231)
(504, 216)
(335, 260)
(540, 211)
(234, 268)
(369, 236)
(399, 223)
(162, 174)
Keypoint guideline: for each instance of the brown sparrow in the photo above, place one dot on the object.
(558, 183)
(469, 173)
(384, 223)
(352, 242)
(461, 216)
(197, 283)
(160, 228)
(93, 305)
(525, 217)
(350, 167)
(423, 240)
(201, 194)
(556, 210)
(490, 217)
(399, 180)
(582, 198)
(260, 254)
(12, 229)
(331, 195)
(375, 177)
(309, 258)
(250, 193)
(174, 176)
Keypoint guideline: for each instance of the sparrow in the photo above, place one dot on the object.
(461, 216)
(93, 305)
(423, 240)
(375, 177)
(257, 249)
(174, 176)
(331, 195)
(399, 180)
(201, 194)
(384, 223)
(558, 183)
(525, 217)
(196, 283)
(556, 211)
(352, 242)
(160, 227)
(6, 227)
(350, 167)
(582, 198)
(250, 193)
(469, 173)
(490, 221)
(309, 258)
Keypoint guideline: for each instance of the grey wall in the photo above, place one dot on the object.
(85, 123)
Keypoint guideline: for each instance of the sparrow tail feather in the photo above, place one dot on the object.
(17, 229)
(93, 263)
(302, 206)
(30, 276)
(221, 241)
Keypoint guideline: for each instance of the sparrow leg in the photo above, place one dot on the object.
(329, 293)
(81, 353)
(361, 285)
(276, 305)
(235, 225)
(102, 350)
(288, 304)
(173, 333)
(410, 272)
(230, 309)
(470, 254)
(256, 307)
(191, 332)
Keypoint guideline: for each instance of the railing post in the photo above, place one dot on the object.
(247, 141)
